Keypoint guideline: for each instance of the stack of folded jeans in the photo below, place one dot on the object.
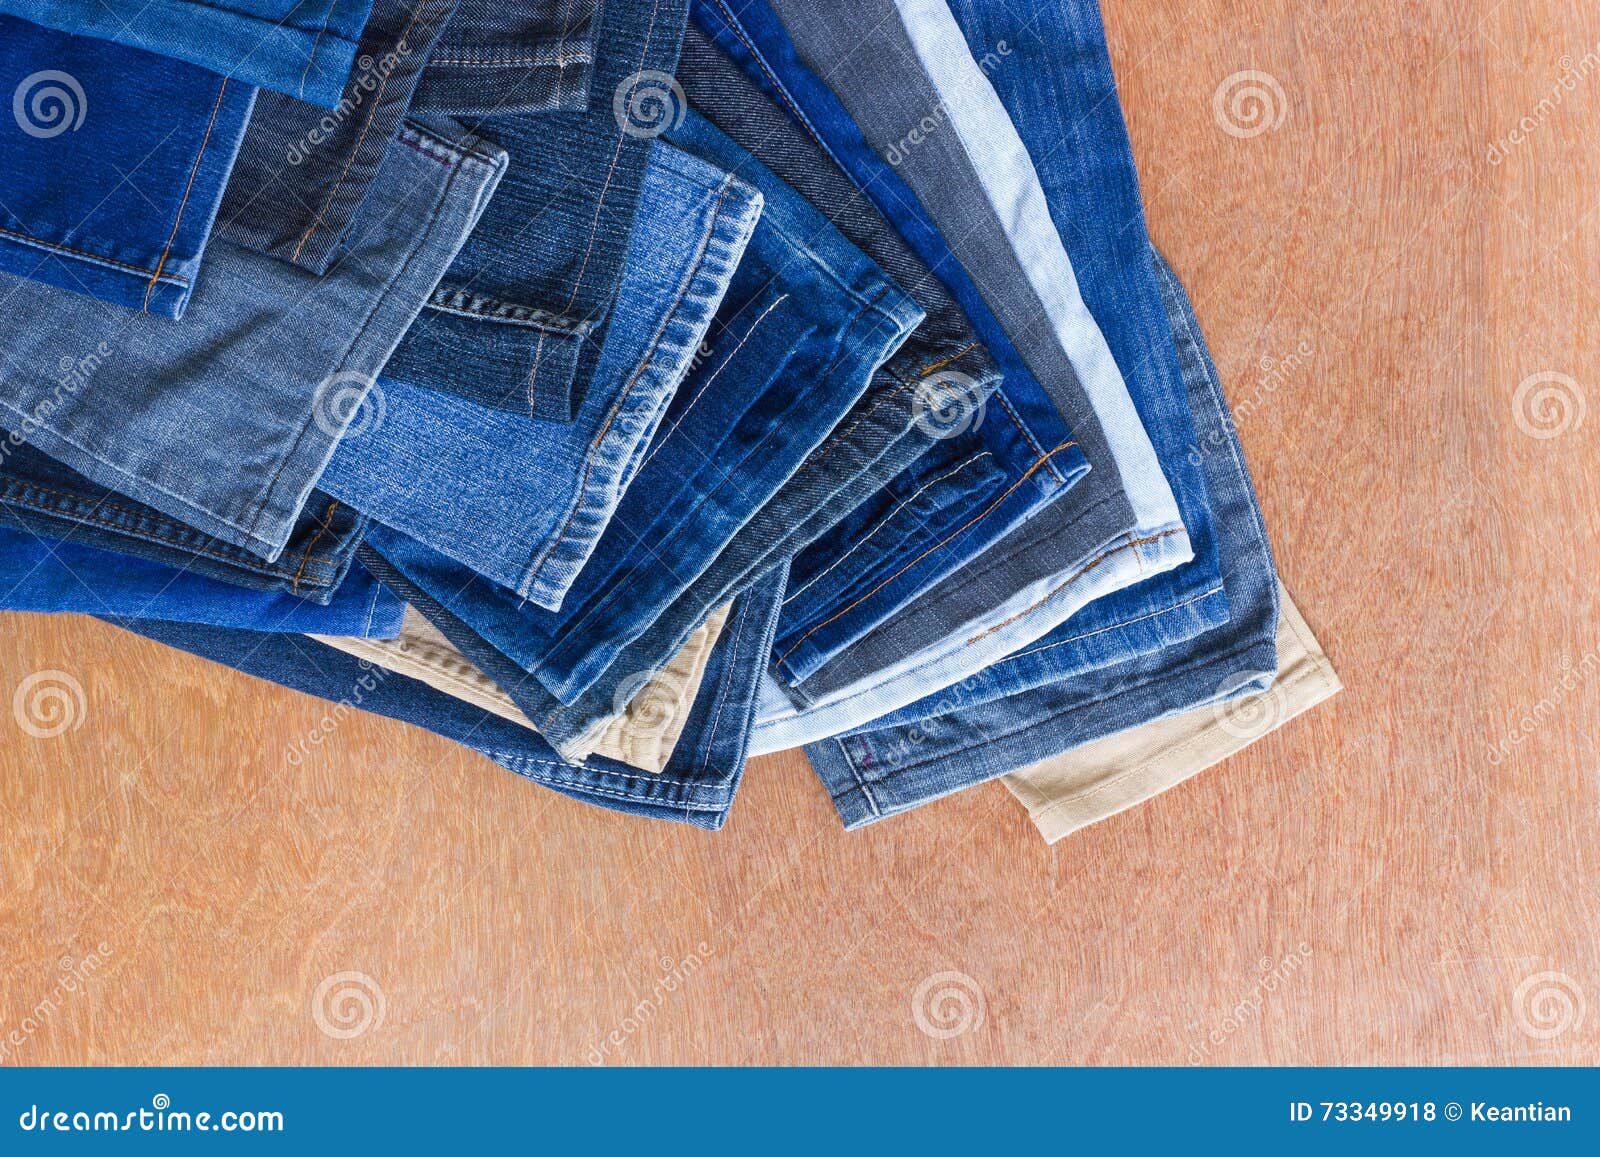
(627, 389)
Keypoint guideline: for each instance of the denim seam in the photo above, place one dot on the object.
(1202, 664)
(327, 523)
(559, 58)
(262, 568)
(481, 307)
(1313, 671)
(900, 504)
(272, 25)
(91, 257)
(1121, 625)
(188, 189)
(519, 762)
(951, 537)
(315, 44)
(844, 353)
(372, 114)
(646, 363)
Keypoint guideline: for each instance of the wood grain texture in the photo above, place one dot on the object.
(1439, 880)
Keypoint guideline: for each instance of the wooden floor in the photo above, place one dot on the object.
(1404, 302)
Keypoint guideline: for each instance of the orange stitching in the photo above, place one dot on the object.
(83, 253)
(327, 522)
(948, 538)
(1068, 581)
(372, 112)
(14, 500)
(957, 356)
(205, 142)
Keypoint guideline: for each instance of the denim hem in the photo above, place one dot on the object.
(617, 451)
(116, 282)
(590, 645)
(861, 800)
(550, 75)
(310, 63)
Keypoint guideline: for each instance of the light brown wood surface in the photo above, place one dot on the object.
(1443, 889)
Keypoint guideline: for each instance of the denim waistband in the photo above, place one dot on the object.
(519, 321)
(52, 576)
(302, 171)
(522, 501)
(154, 410)
(40, 495)
(112, 166)
(303, 48)
(989, 729)
(497, 58)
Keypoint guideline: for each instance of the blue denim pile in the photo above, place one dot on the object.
(820, 342)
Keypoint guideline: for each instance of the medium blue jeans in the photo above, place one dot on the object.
(112, 165)
(696, 787)
(1076, 685)
(303, 48)
(48, 575)
(226, 421)
(522, 501)
(520, 319)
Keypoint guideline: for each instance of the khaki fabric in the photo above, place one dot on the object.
(1100, 779)
(641, 735)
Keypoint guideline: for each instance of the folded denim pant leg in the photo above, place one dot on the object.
(522, 501)
(302, 172)
(1093, 782)
(876, 773)
(227, 420)
(40, 495)
(697, 786)
(111, 167)
(806, 323)
(643, 736)
(303, 48)
(519, 321)
(532, 56)
(51, 576)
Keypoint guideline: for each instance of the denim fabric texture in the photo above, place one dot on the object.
(302, 48)
(112, 165)
(974, 736)
(519, 321)
(151, 409)
(532, 56)
(41, 496)
(302, 171)
(522, 501)
(805, 325)
(48, 575)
